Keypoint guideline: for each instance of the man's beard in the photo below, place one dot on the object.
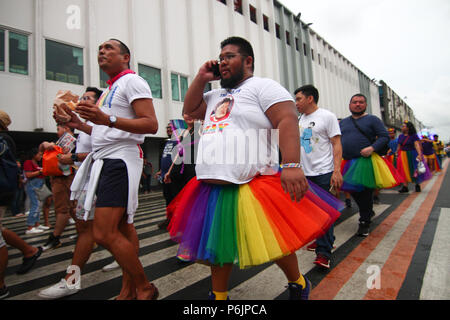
(233, 81)
(360, 113)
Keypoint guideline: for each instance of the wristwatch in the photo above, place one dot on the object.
(74, 157)
(112, 121)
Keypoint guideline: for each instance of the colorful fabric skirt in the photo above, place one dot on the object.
(373, 172)
(392, 159)
(407, 167)
(434, 158)
(248, 224)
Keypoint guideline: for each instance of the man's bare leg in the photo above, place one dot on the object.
(84, 245)
(128, 291)
(106, 233)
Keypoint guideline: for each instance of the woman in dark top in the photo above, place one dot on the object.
(409, 153)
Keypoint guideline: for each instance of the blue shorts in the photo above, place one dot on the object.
(112, 189)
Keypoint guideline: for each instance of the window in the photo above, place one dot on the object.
(288, 38)
(153, 78)
(253, 14)
(238, 6)
(63, 62)
(2, 50)
(16, 60)
(223, 1)
(266, 22)
(175, 87)
(312, 54)
(318, 58)
(183, 87)
(179, 87)
(305, 51)
(277, 30)
(296, 44)
(103, 78)
(18, 53)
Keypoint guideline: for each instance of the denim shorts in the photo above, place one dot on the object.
(112, 189)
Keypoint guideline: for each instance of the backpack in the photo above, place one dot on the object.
(8, 168)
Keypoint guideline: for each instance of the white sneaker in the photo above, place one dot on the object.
(110, 267)
(71, 221)
(57, 291)
(34, 231)
(42, 227)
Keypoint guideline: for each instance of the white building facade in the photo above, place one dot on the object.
(49, 45)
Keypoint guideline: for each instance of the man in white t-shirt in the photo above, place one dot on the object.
(321, 156)
(85, 240)
(245, 104)
(125, 113)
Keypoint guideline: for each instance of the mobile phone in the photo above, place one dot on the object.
(215, 70)
(333, 191)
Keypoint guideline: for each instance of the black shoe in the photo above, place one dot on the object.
(52, 243)
(28, 263)
(297, 292)
(212, 296)
(363, 230)
(376, 200)
(403, 190)
(418, 189)
(4, 292)
(348, 203)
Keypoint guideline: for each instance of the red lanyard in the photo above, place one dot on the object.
(405, 141)
(117, 77)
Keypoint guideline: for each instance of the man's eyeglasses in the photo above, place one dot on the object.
(85, 98)
(228, 57)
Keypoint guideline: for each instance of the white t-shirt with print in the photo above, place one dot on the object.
(237, 142)
(316, 130)
(123, 92)
(84, 144)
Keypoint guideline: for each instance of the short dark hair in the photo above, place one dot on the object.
(308, 91)
(31, 153)
(359, 95)
(97, 92)
(245, 48)
(123, 48)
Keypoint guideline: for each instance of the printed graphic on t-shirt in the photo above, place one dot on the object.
(168, 149)
(223, 109)
(307, 138)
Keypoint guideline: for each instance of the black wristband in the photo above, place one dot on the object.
(74, 157)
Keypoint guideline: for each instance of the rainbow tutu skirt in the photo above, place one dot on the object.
(247, 224)
(373, 172)
(407, 167)
(392, 159)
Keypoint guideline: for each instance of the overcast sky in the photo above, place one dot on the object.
(406, 43)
